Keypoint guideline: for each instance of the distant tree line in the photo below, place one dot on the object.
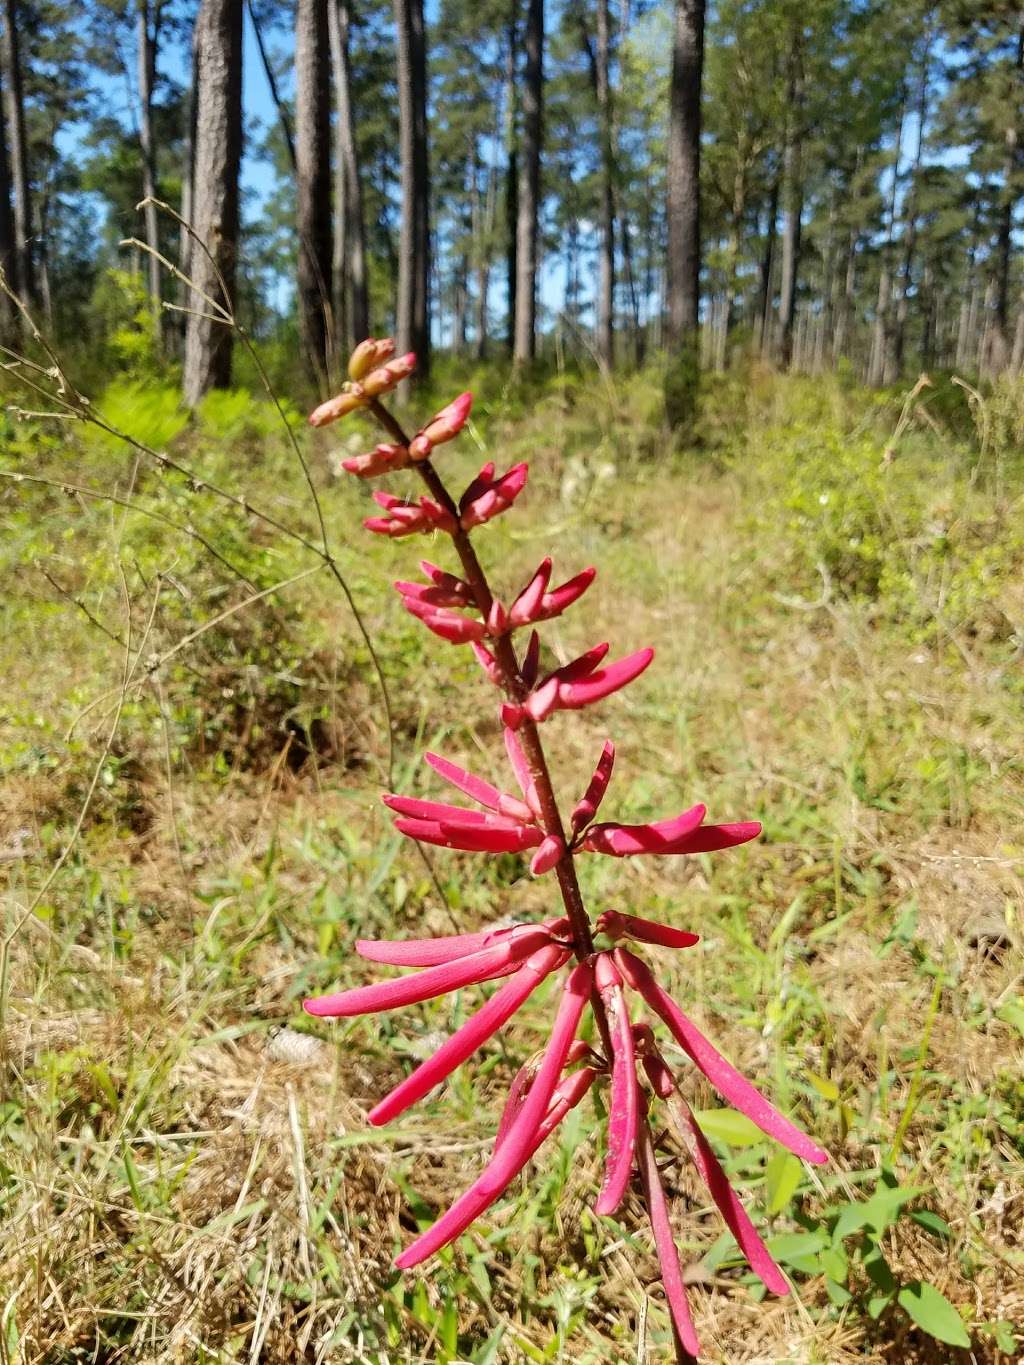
(820, 183)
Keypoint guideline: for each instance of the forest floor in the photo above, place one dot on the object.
(192, 842)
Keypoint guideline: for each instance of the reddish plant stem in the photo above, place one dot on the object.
(516, 690)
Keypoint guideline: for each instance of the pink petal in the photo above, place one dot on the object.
(617, 925)
(521, 768)
(432, 595)
(583, 666)
(573, 695)
(368, 355)
(587, 807)
(726, 1199)
(474, 787)
(711, 837)
(625, 1097)
(471, 838)
(622, 840)
(548, 853)
(448, 624)
(437, 811)
(540, 704)
(527, 604)
(423, 952)
(448, 582)
(487, 497)
(472, 1035)
(531, 660)
(524, 1136)
(661, 1223)
(381, 460)
(496, 960)
(488, 663)
(558, 599)
(733, 1087)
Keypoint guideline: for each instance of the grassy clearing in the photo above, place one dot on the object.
(185, 1168)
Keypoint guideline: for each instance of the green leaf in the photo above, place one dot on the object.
(782, 1180)
(933, 1313)
(835, 1264)
(838, 1293)
(1013, 1013)
(799, 1250)
(931, 1222)
(877, 1305)
(878, 1272)
(725, 1125)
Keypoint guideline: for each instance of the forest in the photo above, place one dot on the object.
(686, 341)
(509, 178)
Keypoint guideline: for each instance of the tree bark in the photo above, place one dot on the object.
(14, 110)
(793, 186)
(683, 259)
(529, 187)
(599, 61)
(313, 186)
(511, 175)
(882, 335)
(8, 239)
(765, 270)
(218, 154)
(148, 32)
(999, 353)
(353, 319)
(413, 322)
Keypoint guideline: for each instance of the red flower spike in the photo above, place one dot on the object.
(487, 497)
(457, 591)
(523, 609)
(497, 960)
(625, 1098)
(664, 1242)
(617, 925)
(456, 629)
(472, 838)
(684, 834)
(445, 426)
(726, 1200)
(426, 952)
(368, 355)
(585, 809)
(522, 1138)
(734, 1088)
(382, 459)
(472, 1035)
(481, 791)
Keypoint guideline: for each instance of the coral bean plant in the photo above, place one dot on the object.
(598, 971)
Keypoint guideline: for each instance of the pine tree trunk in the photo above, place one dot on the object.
(683, 259)
(8, 239)
(413, 323)
(511, 174)
(600, 59)
(529, 188)
(147, 33)
(313, 186)
(351, 284)
(793, 186)
(765, 270)
(187, 182)
(14, 110)
(218, 153)
(999, 354)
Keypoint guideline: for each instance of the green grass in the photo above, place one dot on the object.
(838, 622)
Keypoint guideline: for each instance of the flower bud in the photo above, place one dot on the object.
(368, 355)
(445, 426)
(389, 376)
(341, 405)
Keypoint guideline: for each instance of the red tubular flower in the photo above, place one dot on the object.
(577, 684)
(617, 925)
(408, 518)
(444, 427)
(625, 1102)
(535, 603)
(726, 1199)
(668, 1256)
(473, 1034)
(487, 497)
(522, 1138)
(388, 376)
(382, 459)
(340, 406)
(734, 1088)
(684, 834)
(498, 959)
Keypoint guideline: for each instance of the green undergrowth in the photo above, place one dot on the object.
(834, 597)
